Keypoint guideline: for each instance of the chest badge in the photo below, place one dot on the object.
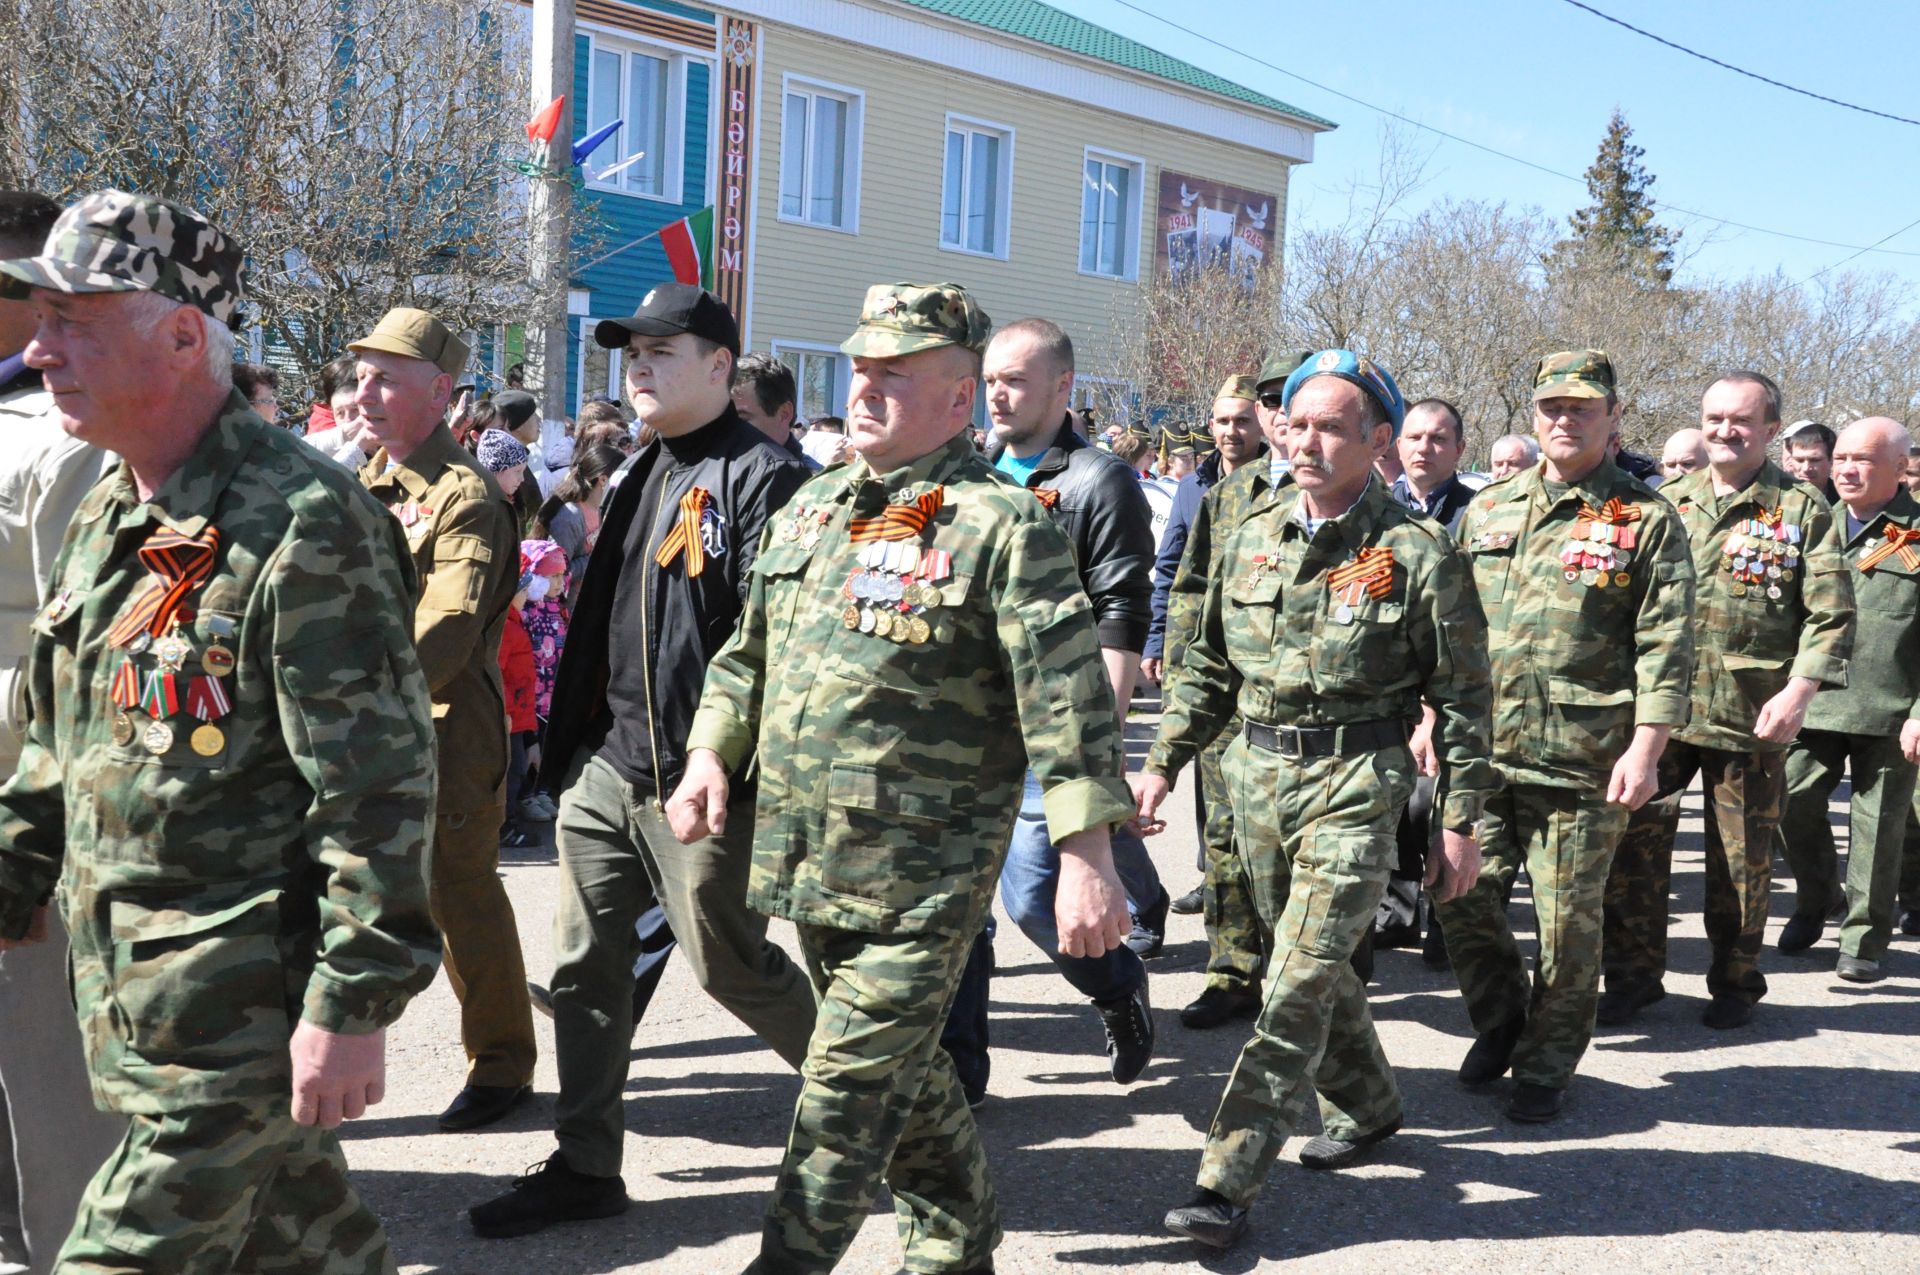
(1368, 575)
(1600, 546)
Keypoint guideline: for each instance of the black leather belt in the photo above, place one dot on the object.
(1300, 742)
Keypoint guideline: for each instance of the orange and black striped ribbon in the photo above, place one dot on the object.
(1048, 497)
(1370, 567)
(180, 564)
(898, 522)
(1615, 511)
(685, 536)
(1899, 540)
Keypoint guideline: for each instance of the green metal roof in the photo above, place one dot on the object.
(1045, 24)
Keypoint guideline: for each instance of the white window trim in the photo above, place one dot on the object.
(1132, 221)
(856, 101)
(976, 124)
(676, 58)
(841, 361)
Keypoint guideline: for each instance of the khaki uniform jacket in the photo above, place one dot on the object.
(1751, 638)
(466, 551)
(1883, 680)
(215, 898)
(1576, 665)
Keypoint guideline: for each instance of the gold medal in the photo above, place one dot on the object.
(217, 660)
(122, 729)
(1739, 590)
(207, 739)
(882, 623)
(158, 738)
(1601, 579)
(851, 617)
(918, 631)
(898, 633)
(930, 596)
(1622, 579)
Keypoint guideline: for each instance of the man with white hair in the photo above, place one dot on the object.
(228, 770)
(1512, 454)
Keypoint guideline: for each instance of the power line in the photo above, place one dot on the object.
(1869, 248)
(1516, 159)
(1737, 70)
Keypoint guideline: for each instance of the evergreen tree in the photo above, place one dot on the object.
(1617, 231)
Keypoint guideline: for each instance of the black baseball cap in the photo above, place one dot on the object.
(669, 310)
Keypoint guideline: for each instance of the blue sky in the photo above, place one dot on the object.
(1538, 79)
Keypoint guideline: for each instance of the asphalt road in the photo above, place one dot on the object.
(1791, 1145)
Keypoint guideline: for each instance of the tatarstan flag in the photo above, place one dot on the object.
(689, 245)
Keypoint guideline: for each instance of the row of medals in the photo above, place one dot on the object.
(170, 655)
(1760, 554)
(891, 590)
(1598, 554)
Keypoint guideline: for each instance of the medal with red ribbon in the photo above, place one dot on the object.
(179, 564)
(1369, 575)
(161, 694)
(1899, 542)
(207, 700)
(1601, 544)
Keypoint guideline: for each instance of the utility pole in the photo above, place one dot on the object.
(551, 204)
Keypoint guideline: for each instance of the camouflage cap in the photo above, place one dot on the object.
(416, 334)
(1236, 387)
(1573, 374)
(905, 318)
(111, 241)
(1279, 366)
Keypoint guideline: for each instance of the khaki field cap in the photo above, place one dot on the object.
(111, 241)
(905, 318)
(1237, 387)
(1573, 374)
(417, 335)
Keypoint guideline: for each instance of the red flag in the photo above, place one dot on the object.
(542, 127)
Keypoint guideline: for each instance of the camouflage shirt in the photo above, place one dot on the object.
(891, 768)
(1577, 664)
(1883, 677)
(466, 551)
(215, 896)
(1277, 640)
(1224, 507)
(1771, 600)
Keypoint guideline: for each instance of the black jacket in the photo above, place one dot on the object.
(749, 478)
(1105, 516)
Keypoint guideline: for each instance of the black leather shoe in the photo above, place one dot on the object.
(1218, 1006)
(1534, 1104)
(1335, 1153)
(1910, 922)
(1801, 932)
(477, 1106)
(1150, 929)
(1491, 1054)
(1388, 937)
(1728, 1010)
(547, 1193)
(1619, 1004)
(1857, 969)
(1209, 1218)
(1192, 903)
(1433, 947)
(1129, 1025)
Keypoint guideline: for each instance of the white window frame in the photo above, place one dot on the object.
(856, 103)
(967, 124)
(673, 164)
(843, 374)
(1130, 216)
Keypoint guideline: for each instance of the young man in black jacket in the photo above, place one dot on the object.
(661, 596)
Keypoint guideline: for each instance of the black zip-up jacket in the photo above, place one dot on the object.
(748, 478)
(1101, 509)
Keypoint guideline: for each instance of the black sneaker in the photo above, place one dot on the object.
(1801, 932)
(1150, 929)
(1534, 1104)
(1618, 1005)
(1129, 1026)
(1727, 1010)
(1210, 1218)
(1218, 1006)
(547, 1193)
(1909, 922)
(1337, 1153)
(1491, 1054)
(1194, 902)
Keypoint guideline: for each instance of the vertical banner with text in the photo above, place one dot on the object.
(733, 219)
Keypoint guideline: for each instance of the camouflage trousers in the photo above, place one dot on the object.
(880, 1100)
(1882, 803)
(1566, 837)
(1237, 939)
(1318, 839)
(1746, 793)
(237, 1187)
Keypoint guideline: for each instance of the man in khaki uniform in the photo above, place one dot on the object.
(1773, 623)
(467, 553)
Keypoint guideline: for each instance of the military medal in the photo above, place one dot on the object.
(157, 738)
(851, 617)
(1758, 553)
(58, 608)
(918, 630)
(123, 730)
(1601, 544)
(217, 660)
(882, 623)
(207, 739)
(1368, 575)
(207, 700)
(172, 651)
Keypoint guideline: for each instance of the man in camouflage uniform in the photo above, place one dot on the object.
(228, 771)
(1237, 941)
(1330, 614)
(1588, 590)
(911, 616)
(1871, 728)
(1773, 623)
(466, 550)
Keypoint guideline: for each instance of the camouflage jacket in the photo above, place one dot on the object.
(1222, 509)
(466, 551)
(1275, 639)
(1768, 605)
(1576, 664)
(891, 769)
(1883, 677)
(218, 889)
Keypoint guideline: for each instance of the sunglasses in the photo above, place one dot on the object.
(1272, 402)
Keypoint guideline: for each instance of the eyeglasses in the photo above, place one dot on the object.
(1273, 402)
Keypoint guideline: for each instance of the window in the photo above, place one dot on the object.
(599, 371)
(821, 376)
(1110, 215)
(645, 91)
(820, 156)
(974, 205)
